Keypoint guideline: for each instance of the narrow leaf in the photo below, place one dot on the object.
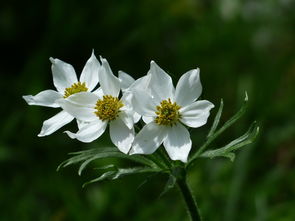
(112, 175)
(230, 122)
(227, 150)
(216, 119)
(88, 156)
(104, 176)
(169, 185)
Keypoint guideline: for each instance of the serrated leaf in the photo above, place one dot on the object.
(88, 156)
(216, 119)
(227, 150)
(116, 174)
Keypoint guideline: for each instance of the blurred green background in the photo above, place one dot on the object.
(239, 46)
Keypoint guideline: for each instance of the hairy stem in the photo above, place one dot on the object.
(189, 200)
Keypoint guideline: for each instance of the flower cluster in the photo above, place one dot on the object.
(99, 100)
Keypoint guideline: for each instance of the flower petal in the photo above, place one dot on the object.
(136, 117)
(142, 83)
(44, 98)
(54, 123)
(148, 139)
(196, 114)
(81, 124)
(143, 103)
(89, 74)
(89, 132)
(85, 99)
(98, 92)
(108, 82)
(161, 83)
(80, 106)
(126, 80)
(63, 73)
(178, 143)
(121, 135)
(147, 120)
(127, 118)
(188, 88)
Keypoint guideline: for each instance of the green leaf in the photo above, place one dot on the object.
(121, 172)
(169, 185)
(104, 176)
(227, 150)
(230, 122)
(87, 156)
(216, 120)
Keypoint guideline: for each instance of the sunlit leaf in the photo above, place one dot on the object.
(121, 172)
(230, 122)
(216, 120)
(227, 150)
(87, 156)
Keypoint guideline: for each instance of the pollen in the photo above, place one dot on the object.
(167, 113)
(75, 88)
(108, 108)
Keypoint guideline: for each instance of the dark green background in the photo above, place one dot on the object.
(238, 45)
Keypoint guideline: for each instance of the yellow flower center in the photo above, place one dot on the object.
(167, 113)
(108, 108)
(75, 88)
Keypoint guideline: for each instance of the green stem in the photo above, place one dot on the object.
(189, 200)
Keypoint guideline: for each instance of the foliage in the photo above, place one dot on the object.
(238, 45)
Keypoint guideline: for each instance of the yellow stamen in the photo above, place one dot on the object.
(108, 108)
(75, 88)
(167, 113)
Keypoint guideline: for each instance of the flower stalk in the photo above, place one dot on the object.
(190, 201)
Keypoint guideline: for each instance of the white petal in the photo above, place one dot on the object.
(128, 107)
(121, 135)
(89, 132)
(81, 124)
(98, 92)
(136, 117)
(63, 73)
(108, 82)
(83, 113)
(142, 83)
(196, 114)
(44, 98)
(188, 88)
(147, 120)
(89, 74)
(148, 139)
(126, 80)
(143, 103)
(127, 100)
(161, 83)
(85, 99)
(178, 143)
(127, 118)
(54, 123)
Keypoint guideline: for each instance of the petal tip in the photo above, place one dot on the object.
(52, 60)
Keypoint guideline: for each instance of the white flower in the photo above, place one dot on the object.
(166, 109)
(128, 84)
(99, 110)
(66, 82)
